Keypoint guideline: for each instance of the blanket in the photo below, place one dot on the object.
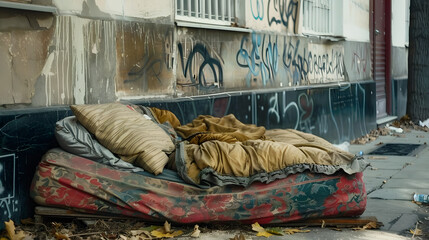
(223, 151)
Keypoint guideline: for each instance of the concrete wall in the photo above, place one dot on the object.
(356, 20)
(97, 51)
(399, 68)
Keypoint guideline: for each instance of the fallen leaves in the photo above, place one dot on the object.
(268, 232)
(166, 232)
(370, 225)
(416, 232)
(291, 231)
(260, 230)
(11, 233)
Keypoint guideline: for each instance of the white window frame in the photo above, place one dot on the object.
(318, 17)
(210, 12)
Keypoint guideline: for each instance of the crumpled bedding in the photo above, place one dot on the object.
(224, 151)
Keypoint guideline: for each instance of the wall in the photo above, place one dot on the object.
(356, 20)
(400, 26)
(273, 15)
(93, 52)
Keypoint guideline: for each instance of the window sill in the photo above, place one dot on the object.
(188, 24)
(28, 7)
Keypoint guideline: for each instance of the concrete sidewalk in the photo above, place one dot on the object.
(390, 182)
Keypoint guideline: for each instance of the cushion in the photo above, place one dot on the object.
(75, 139)
(127, 133)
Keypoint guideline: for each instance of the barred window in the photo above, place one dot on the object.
(317, 16)
(220, 12)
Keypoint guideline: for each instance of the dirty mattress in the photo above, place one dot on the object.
(69, 181)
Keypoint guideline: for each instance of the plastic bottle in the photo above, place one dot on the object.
(423, 198)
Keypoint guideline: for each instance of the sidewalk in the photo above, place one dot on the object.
(390, 182)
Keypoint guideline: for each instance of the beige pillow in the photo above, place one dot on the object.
(127, 133)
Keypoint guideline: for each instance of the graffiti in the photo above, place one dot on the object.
(208, 62)
(359, 60)
(285, 12)
(258, 13)
(7, 182)
(262, 60)
(301, 64)
(151, 65)
(311, 66)
(306, 108)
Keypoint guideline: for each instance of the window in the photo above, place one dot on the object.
(219, 12)
(317, 16)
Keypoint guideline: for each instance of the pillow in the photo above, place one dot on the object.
(127, 133)
(75, 139)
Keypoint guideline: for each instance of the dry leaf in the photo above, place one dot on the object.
(275, 231)
(236, 237)
(370, 225)
(140, 232)
(27, 221)
(264, 234)
(167, 227)
(416, 232)
(196, 232)
(60, 236)
(337, 229)
(160, 233)
(10, 228)
(291, 231)
(261, 231)
(323, 224)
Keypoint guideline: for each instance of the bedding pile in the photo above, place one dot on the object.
(138, 161)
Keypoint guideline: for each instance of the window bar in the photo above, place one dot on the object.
(203, 9)
(197, 9)
(228, 6)
(189, 7)
(209, 5)
(216, 9)
(182, 9)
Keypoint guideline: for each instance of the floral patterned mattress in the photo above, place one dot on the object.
(68, 181)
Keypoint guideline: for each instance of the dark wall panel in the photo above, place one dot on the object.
(335, 113)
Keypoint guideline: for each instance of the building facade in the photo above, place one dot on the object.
(329, 67)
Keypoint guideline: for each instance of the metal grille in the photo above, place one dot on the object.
(214, 11)
(317, 16)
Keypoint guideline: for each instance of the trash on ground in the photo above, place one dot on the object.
(425, 123)
(196, 232)
(343, 146)
(422, 198)
(395, 129)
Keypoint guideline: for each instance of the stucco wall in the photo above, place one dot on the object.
(97, 51)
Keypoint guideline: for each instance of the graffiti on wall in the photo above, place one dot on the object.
(261, 60)
(359, 60)
(298, 63)
(278, 12)
(145, 58)
(200, 66)
(344, 115)
(8, 203)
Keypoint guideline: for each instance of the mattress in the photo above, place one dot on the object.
(68, 181)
